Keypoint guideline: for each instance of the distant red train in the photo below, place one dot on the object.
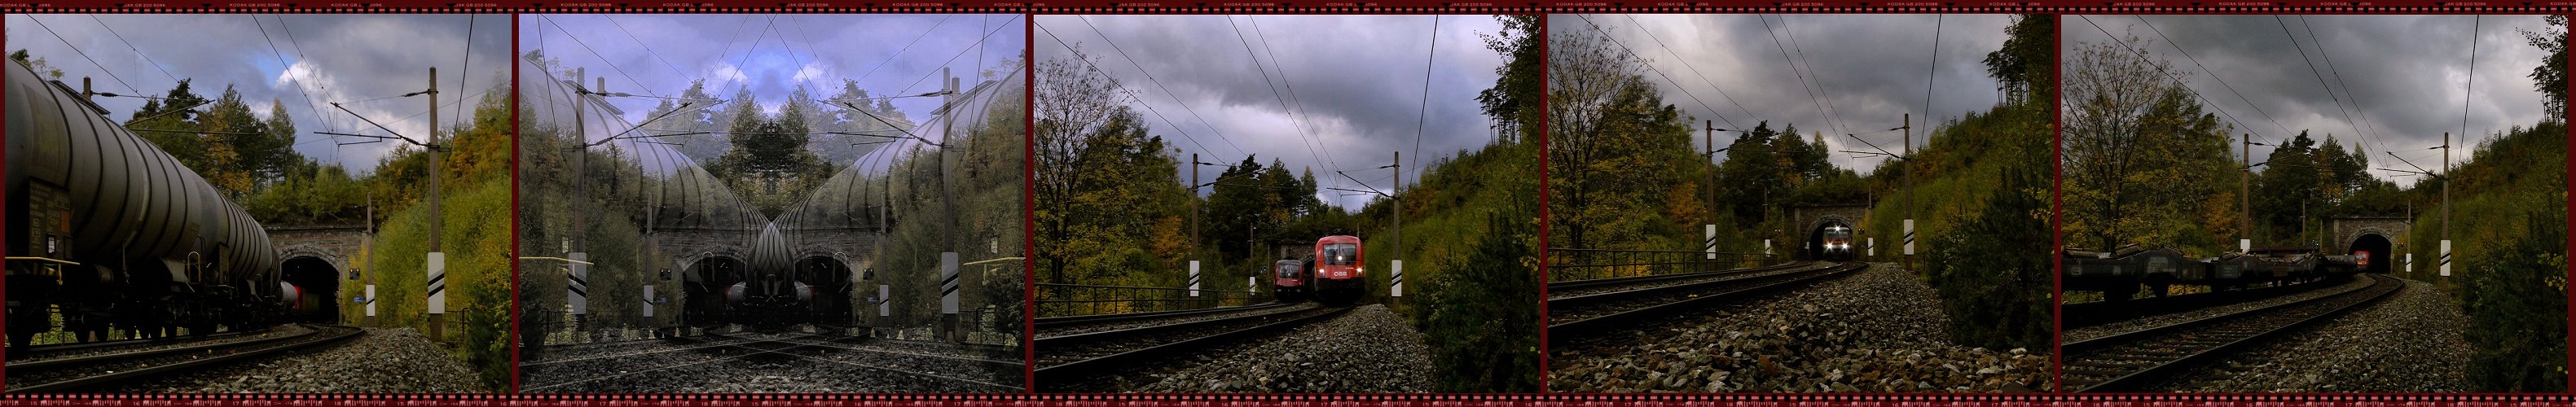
(1290, 283)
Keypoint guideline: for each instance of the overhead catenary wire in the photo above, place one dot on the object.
(2376, 138)
(1113, 82)
(300, 84)
(907, 46)
(2213, 75)
(1158, 84)
(603, 59)
(102, 68)
(2320, 75)
(111, 31)
(1812, 98)
(1429, 57)
(1935, 70)
(1694, 68)
(1284, 82)
(1303, 138)
(1632, 53)
(2178, 79)
(1832, 113)
(648, 47)
(2469, 89)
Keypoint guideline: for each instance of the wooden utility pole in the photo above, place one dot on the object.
(2244, 195)
(437, 260)
(1908, 162)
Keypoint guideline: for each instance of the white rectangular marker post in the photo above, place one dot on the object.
(1396, 288)
(885, 300)
(437, 283)
(1909, 237)
(577, 288)
(2244, 245)
(370, 299)
(2445, 261)
(948, 283)
(648, 301)
(1709, 244)
(2410, 263)
(1873, 247)
(1194, 278)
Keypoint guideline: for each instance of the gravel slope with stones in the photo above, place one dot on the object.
(1368, 350)
(386, 360)
(2409, 343)
(1880, 330)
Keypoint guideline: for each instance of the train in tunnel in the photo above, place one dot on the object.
(2122, 273)
(110, 232)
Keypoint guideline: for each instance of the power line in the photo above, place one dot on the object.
(1935, 74)
(1814, 77)
(1303, 139)
(1677, 56)
(2320, 75)
(1812, 98)
(1113, 82)
(299, 84)
(1158, 83)
(603, 59)
(907, 46)
(2374, 136)
(648, 47)
(1285, 82)
(2186, 85)
(2186, 54)
(1641, 60)
(84, 55)
(988, 35)
(1428, 57)
(2471, 88)
(130, 45)
(465, 73)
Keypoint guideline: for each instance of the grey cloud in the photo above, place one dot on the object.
(2406, 74)
(1359, 79)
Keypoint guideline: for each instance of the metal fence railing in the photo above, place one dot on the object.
(1587, 264)
(1059, 300)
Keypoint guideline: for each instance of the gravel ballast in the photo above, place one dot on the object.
(1367, 350)
(1880, 330)
(385, 360)
(2411, 342)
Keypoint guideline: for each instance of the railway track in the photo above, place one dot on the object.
(1577, 288)
(64, 374)
(717, 357)
(1079, 321)
(2134, 360)
(1587, 316)
(1088, 356)
(2091, 313)
(49, 351)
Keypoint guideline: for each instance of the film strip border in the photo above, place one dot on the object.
(1266, 400)
(1322, 7)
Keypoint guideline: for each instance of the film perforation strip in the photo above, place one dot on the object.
(1228, 400)
(1305, 7)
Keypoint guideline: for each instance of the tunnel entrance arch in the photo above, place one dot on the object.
(317, 284)
(830, 278)
(2377, 248)
(705, 281)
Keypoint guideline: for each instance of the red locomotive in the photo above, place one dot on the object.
(1291, 278)
(1339, 277)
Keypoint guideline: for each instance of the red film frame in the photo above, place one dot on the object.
(1312, 7)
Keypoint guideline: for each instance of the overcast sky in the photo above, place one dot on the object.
(2407, 75)
(1867, 70)
(1359, 79)
(774, 54)
(333, 58)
